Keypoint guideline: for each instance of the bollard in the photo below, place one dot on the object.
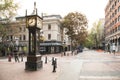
(46, 60)
(52, 60)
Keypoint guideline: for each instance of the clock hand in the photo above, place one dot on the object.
(31, 21)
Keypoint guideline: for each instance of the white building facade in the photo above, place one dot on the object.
(52, 31)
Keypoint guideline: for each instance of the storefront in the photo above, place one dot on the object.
(49, 47)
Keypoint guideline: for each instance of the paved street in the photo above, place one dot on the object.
(99, 66)
(89, 65)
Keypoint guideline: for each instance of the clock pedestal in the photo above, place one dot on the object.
(34, 61)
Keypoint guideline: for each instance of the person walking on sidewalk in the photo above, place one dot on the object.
(16, 57)
(54, 65)
(108, 48)
(111, 48)
(9, 57)
(114, 48)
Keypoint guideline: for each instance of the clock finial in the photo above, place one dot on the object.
(34, 11)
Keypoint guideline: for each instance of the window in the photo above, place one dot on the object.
(118, 18)
(49, 36)
(113, 30)
(49, 26)
(20, 38)
(119, 27)
(20, 29)
(24, 37)
(115, 3)
(112, 14)
(11, 37)
(115, 20)
(24, 29)
(115, 12)
(112, 6)
(116, 29)
(119, 9)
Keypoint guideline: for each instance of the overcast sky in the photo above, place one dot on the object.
(93, 9)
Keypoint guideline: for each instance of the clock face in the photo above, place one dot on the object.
(39, 23)
(31, 22)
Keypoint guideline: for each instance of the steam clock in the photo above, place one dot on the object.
(34, 25)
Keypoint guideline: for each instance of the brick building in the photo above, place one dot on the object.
(112, 23)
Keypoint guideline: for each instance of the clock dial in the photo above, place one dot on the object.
(39, 23)
(31, 22)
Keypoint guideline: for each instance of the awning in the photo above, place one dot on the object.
(50, 44)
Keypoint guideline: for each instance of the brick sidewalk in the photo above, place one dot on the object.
(15, 71)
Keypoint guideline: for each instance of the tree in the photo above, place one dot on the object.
(76, 25)
(89, 41)
(97, 33)
(8, 10)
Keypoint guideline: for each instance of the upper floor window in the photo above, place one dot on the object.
(20, 29)
(119, 9)
(118, 18)
(11, 37)
(24, 29)
(49, 26)
(112, 14)
(24, 37)
(116, 29)
(119, 27)
(112, 6)
(49, 36)
(20, 38)
(115, 12)
(115, 3)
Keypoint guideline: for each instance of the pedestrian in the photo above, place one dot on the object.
(9, 57)
(56, 62)
(114, 48)
(108, 48)
(72, 52)
(16, 57)
(111, 49)
(54, 65)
